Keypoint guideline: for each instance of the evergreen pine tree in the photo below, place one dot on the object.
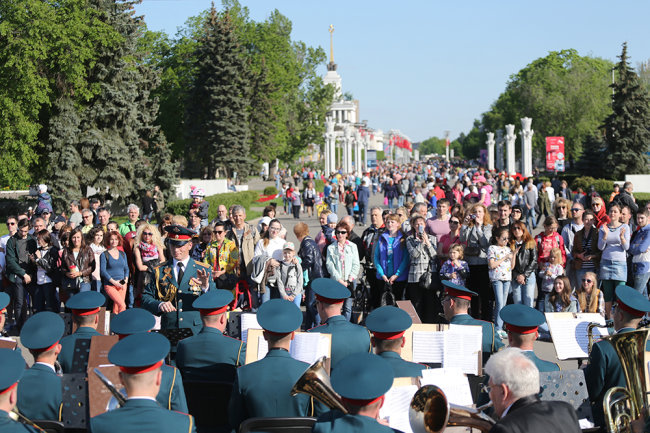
(626, 129)
(116, 147)
(592, 158)
(261, 117)
(217, 125)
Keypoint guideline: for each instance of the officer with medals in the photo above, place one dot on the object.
(139, 358)
(12, 366)
(210, 355)
(387, 325)
(456, 303)
(85, 313)
(604, 370)
(521, 322)
(361, 380)
(39, 391)
(347, 338)
(263, 388)
(136, 321)
(176, 283)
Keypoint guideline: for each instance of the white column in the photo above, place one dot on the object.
(526, 147)
(510, 149)
(347, 150)
(366, 145)
(329, 133)
(490, 150)
(357, 152)
(499, 141)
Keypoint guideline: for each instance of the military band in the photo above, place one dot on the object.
(156, 397)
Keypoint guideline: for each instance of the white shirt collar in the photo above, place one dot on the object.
(505, 412)
(141, 397)
(184, 262)
(47, 365)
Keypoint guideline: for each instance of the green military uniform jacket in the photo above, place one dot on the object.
(161, 288)
(603, 372)
(68, 343)
(347, 338)
(401, 367)
(8, 425)
(172, 394)
(263, 389)
(142, 415)
(210, 356)
(491, 343)
(39, 393)
(336, 422)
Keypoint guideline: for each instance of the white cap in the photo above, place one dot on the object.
(42, 188)
(289, 246)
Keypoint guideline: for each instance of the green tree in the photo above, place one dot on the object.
(110, 142)
(626, 129)
(217, 109)
(566, 94)
(432, 145)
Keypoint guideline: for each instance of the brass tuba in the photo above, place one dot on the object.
(590, 332)
(623, 409)
(316, 382)
(431, 412)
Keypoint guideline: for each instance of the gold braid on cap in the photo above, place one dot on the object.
(170, 293)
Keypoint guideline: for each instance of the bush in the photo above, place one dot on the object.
(603, 186)
(270, 190)
(244, 198)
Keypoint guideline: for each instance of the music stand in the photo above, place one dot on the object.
(80, 355)
(175, 335)
(569, 386)
(68, 323)
(74, 412)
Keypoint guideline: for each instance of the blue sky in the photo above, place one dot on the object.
(425, 67)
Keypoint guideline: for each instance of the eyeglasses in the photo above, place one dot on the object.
(219, 232)
(576, 209)
(147, 234)
(11, 224)
(274, 229)
(517, 211)
(486, 388)
(587, 280)
(341, 232)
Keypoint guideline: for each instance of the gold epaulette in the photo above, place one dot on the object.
(205, 265)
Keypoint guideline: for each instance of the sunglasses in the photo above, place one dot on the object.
(587, 280)
(517, 211)
(11, 224)
(219, 232)
(596, 205)
(504, 239)
(576, 209)
(341, 232)
(454, 222)
(147, 234)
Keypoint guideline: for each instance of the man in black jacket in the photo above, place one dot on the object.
(513, 388)
(369, 238)
(21, 271)
(625, 198)
(312, 262)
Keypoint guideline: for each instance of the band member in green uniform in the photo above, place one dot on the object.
(85, 313)
(12, 366)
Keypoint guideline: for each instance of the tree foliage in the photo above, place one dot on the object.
(626, 130)
(564, 93)
(217, 126)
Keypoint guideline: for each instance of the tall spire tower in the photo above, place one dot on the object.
(331, 66)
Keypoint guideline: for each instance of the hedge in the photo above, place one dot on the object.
(270, 190)
(601, 185)
(244, 198)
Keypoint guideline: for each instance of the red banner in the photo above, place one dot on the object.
(555, 153)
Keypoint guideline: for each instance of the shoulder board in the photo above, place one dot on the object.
(316, 327)
(162, 265)
(205, 265)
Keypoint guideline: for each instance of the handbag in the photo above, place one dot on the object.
(385, 201)
(426, 278)
(71, 285)
(472, 250)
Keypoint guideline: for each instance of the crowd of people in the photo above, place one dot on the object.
(460, 243)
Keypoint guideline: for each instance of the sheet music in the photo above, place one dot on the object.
(262, 347)
(248, 320)
(396, 407)
(107, 323)
(309, 346)
(453, 383)
(462, 345)
(569, 333)
(428, 346)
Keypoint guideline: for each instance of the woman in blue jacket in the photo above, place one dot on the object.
(392, 258)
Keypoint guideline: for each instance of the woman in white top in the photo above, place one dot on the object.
(271, 245)
(95, 239)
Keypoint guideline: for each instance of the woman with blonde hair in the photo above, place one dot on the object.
(148, 252)
(475, 234)
(561, 211)
(590, 298)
